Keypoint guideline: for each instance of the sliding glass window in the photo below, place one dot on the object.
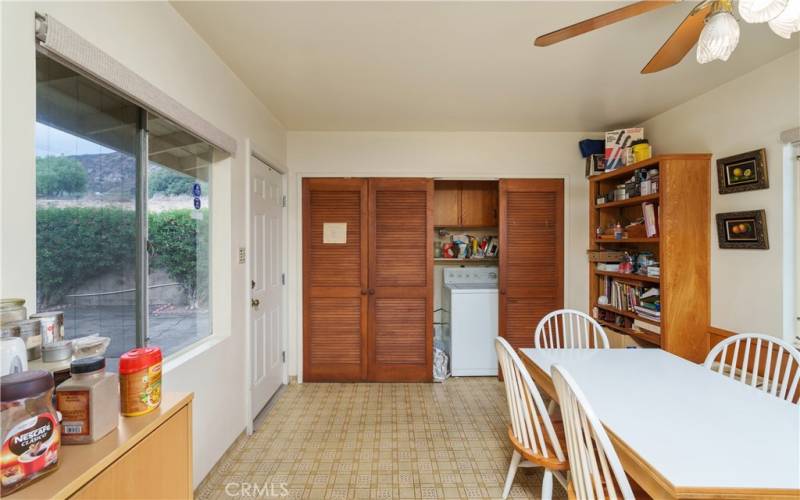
(88, 140)
(178, 210)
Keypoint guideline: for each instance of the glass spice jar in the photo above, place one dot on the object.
(31, 434)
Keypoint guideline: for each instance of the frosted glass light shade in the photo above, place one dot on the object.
(718, 39)
(761, 11)
(787, 21)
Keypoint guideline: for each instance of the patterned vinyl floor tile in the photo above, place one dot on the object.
(374, 441)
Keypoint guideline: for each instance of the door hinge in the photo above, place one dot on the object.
(283, 201)
(283, 278)
(283, 356)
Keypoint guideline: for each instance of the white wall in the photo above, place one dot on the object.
(445, 154)
(744, 114)
(153, 40)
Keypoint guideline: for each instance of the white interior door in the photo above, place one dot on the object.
(266, 295)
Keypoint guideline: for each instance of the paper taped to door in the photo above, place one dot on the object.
(334, 232)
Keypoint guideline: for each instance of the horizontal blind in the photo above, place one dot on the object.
(64, 44)
(791, 136)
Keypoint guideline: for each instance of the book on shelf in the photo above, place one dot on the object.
(647, 327)
(628, 296)
(650, 219)
(647, 313)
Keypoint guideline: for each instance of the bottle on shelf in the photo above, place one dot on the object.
(618, 231)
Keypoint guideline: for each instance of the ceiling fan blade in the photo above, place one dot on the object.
(680, 42)
(600, 21)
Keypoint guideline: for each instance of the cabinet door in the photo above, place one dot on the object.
(334, 280)
(531, 255)
(400, 279)
(479, 203)
(159, 467)
(447, 203)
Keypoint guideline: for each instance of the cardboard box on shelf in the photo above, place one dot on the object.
(616, 142)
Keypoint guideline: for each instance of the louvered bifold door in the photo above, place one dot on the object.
(531, 255)
(335, 279)
(400, 280)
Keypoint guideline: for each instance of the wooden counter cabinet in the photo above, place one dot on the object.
(147, 457)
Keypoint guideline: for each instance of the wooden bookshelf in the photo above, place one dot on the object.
(681, 246)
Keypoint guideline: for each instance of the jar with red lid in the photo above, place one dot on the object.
(31, 434)
(140, 381)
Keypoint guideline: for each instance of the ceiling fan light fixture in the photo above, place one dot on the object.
(788, 21)
(719, 37)
(761, 11)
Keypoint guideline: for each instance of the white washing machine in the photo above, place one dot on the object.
(470, 294)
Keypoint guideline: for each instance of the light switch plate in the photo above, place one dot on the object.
(242, 255)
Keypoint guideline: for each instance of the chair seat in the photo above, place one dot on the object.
(550, 461)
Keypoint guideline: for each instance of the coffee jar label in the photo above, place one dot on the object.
(29, 449)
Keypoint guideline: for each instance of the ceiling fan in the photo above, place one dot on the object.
(711, 25)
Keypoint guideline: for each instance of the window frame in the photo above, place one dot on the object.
(141, 205)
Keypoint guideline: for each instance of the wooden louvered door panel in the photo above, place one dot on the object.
(400, 278)
(531, 255)
(335, 281)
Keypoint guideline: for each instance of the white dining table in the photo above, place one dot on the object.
(680, 430)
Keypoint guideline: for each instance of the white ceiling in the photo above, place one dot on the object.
(459, 65)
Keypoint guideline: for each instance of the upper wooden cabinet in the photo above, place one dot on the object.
(465, 203)
(447, 203)
(479, 203)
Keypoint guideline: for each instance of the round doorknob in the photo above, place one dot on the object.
(255, 302)
(363, 291)
(372, 291)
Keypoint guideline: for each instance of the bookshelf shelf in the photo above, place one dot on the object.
(628, 276)
(627, 314)
(630, 202)
(681, 247)
(650, 338)
(609, 241)
(653, 162)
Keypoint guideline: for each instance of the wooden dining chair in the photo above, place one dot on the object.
(535, 437)
(772, 364)
(569, 329)
(595, 469)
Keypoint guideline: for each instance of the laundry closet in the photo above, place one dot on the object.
(378, 251)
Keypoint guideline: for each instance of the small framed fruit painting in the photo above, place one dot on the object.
(743, 230)
(743, 172)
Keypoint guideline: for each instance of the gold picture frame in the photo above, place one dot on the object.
(743, 230)
(743, 172)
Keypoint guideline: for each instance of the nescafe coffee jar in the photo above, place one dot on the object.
(30, 428)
